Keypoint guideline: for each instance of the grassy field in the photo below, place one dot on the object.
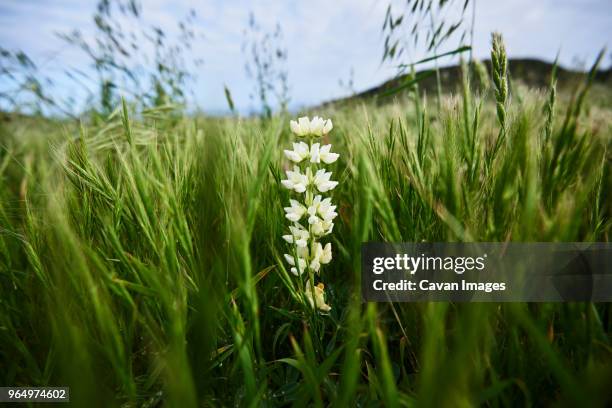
(141, 256)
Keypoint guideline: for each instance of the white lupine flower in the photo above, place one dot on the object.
(328, 126)
(320, 154)
(315, 127)
(320, 127)
(296, 180)
(321, 255)
(326, 156)
(298, 236)
(299, 182)
(319, 296)
(302, 252)
(322, 182)
(326, 255)
(320, 227)
(301, 264)
(300, 152)
(295, 212)
(315, 156)
(323, 208)
(313, 208)
(327, 213)
(301, 127)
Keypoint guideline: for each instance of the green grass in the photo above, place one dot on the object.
(140, 258)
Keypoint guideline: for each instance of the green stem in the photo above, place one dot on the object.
(310, 194)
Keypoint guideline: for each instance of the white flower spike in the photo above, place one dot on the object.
(311, 215)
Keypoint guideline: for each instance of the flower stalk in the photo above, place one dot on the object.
(311, 215)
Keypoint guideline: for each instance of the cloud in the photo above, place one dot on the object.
(325, 39)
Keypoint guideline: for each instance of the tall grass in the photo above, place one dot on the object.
(140, 258)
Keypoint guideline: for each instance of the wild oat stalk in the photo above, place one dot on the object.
(550, 106)
(499, 65)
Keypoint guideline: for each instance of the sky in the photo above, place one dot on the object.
(325, 40)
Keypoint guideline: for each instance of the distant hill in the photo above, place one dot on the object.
(532, 72)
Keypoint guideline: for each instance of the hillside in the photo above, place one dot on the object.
(534, 73)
